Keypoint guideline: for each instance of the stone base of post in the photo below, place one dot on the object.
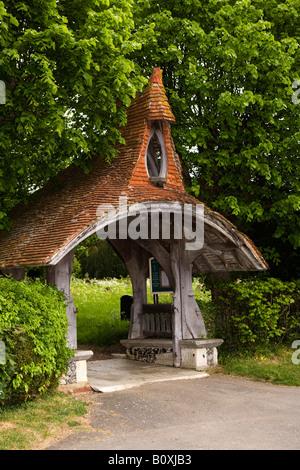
(199, 354)
(77, 370)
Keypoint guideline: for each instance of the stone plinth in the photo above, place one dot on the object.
(199, 354)
(77, 370)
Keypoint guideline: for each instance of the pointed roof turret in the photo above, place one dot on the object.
(155, 101)
(159, 108)
(156, 77)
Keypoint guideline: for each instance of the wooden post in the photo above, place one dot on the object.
(136, 260)
(138, 269)
(177, 305)
(188, 321)
(60, 275)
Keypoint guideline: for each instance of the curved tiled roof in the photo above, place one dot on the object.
(61, 214)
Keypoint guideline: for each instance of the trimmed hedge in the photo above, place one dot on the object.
(253, 313)
(33, 329)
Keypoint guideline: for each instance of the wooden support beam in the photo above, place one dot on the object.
(60, 276)
(177, 303)
(211, 266)
(187, 320)
(225, 263)
(155, 249)
(197, 267)
(242, 260)
(136, 260)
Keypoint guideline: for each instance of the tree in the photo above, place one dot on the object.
(68, 82)
(228, 67)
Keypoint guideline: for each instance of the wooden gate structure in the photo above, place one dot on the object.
(142, 186)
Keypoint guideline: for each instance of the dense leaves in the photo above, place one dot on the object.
(255, 313)
(228, 68)
(95, 258)
(68, 82)
(33, 328)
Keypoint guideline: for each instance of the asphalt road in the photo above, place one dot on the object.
(212, 413)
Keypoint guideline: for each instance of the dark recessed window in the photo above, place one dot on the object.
(156, 155)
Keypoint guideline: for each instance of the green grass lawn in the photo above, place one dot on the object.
(273, 365)
(34, 424)
(98, 305)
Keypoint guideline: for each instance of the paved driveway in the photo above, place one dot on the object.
(215, 412)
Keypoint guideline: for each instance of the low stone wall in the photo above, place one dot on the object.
(151, 355)
(198, 354)
(70, 375)
(154, 351)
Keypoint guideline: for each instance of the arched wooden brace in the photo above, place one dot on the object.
(154, 248)
(178, 266)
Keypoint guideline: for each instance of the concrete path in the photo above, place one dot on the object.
(121, 373)
(208, 413)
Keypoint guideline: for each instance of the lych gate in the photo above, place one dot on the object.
(140, 205)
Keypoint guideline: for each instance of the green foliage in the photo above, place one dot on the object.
(98, 304)
(102, 261)
(68, 82)
(96, 259)
(253, 313)
(228, 67)
(33, 327)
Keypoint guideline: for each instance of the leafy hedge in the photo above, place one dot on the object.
(33, 328)
(256, 312)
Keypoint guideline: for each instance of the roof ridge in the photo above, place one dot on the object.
(156, 77)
